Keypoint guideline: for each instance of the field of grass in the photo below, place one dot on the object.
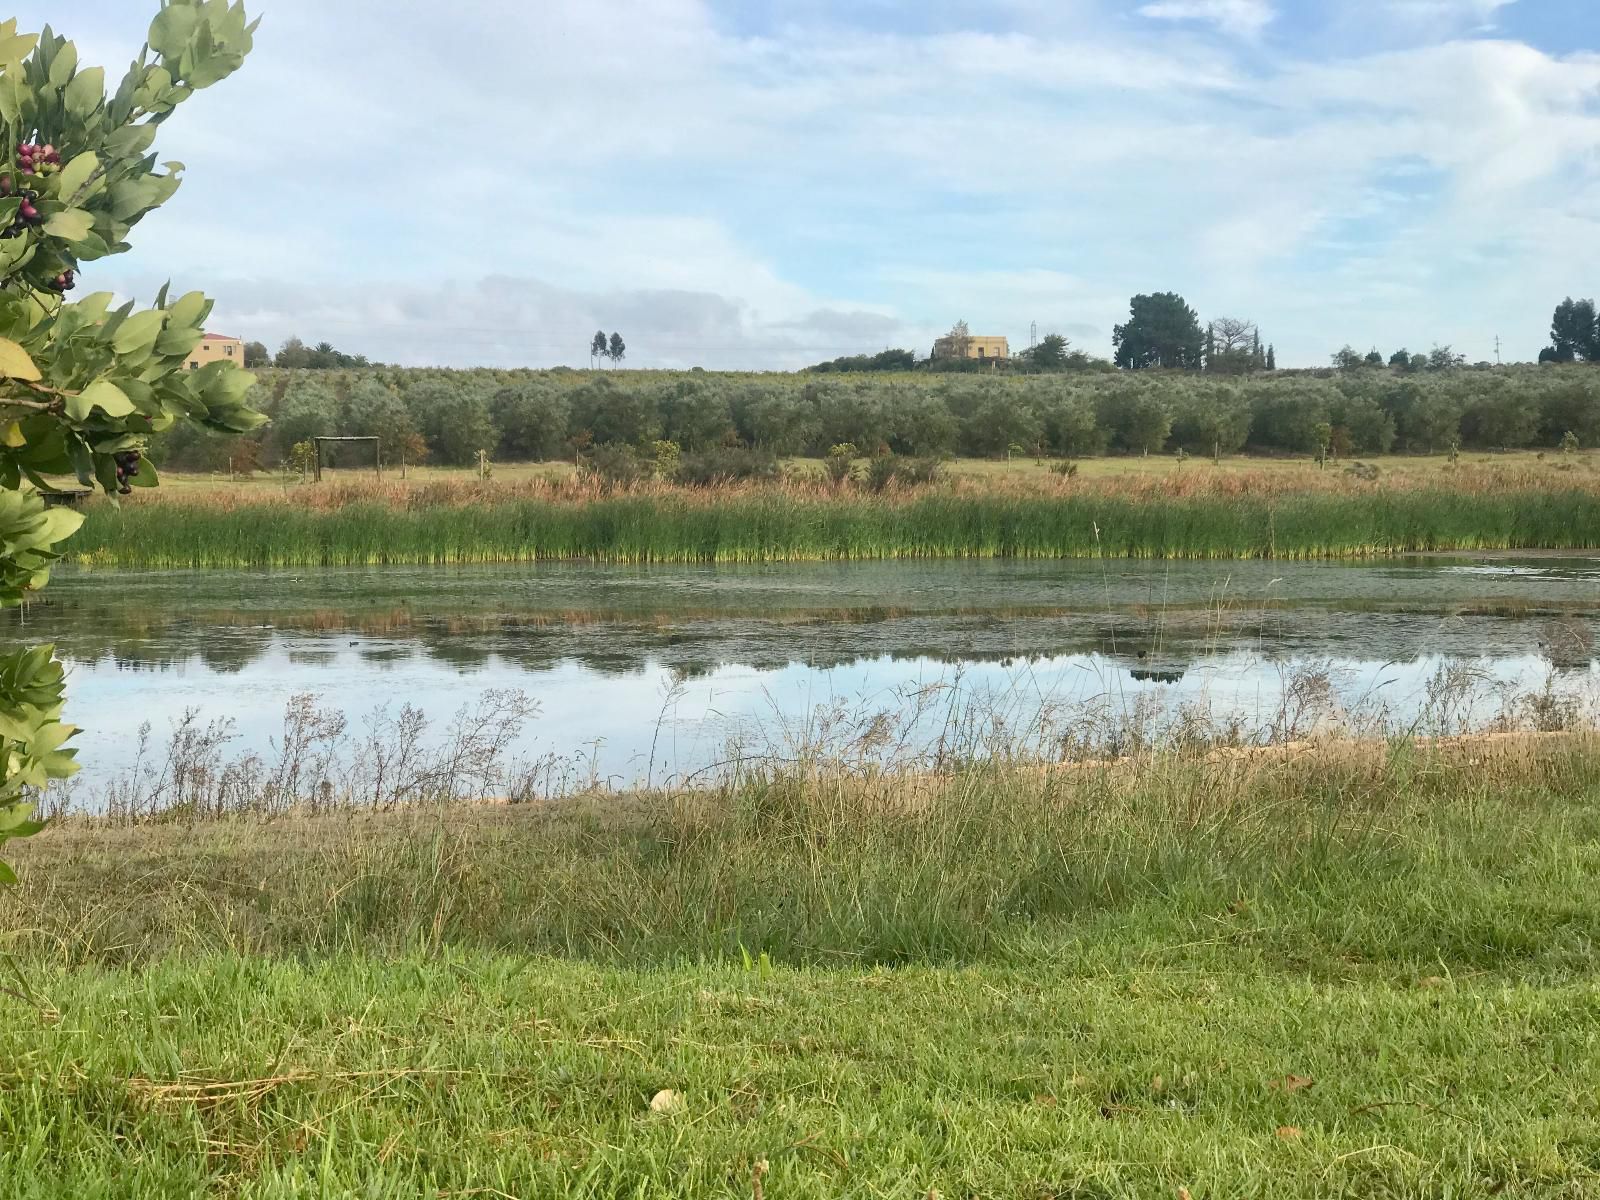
(1188, 511)
(1358, 972)
(1408, 466)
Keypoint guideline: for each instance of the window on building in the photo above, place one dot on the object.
(228, 350)
(194, 366)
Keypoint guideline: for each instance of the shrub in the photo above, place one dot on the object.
(614, 466)
(840, 463)
(906, 472)
(731, 464)
(667, 454)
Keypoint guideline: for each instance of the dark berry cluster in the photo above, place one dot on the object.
(64, 282)
(27, 215)
(38, 160)
(127, 468)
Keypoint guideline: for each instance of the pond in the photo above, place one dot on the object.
(657, 673)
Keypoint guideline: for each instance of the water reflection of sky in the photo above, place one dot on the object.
(656, 721)
(660, 670)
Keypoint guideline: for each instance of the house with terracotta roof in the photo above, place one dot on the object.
(217, 347)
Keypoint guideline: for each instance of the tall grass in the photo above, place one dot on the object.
(1405, 853)
(1366, 971)
(1225, 516)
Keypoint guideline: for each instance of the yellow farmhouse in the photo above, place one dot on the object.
(978, 346)
(215, 347)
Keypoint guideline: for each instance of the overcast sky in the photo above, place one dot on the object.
(761, 185)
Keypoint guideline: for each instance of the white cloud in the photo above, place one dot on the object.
(1449, 12)
(1239, 18)
(1380, 22)
(773, 198)
(512, 321)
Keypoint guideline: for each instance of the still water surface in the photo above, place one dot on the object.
(655, 671)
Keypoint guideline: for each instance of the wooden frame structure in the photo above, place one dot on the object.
(377, 453)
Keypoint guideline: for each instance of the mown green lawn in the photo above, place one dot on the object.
(1319, 976)
(477, 1074)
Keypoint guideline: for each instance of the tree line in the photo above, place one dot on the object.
(524, 415)
(1162, 332)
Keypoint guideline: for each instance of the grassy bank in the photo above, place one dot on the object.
(1360, 973)
(1227, 515)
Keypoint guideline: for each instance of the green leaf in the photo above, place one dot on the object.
(190, 309)
(172, 30)
(77, 172)
(50, 738)
(70, 226)
(153, 89)
(85, 92)
(178, 340)
(17, 47)
(11, 94)
(60, 524)
(14, 252)
(147, 476)
(94, 305)
(131, 141)
(108, 397)
(139, 332)
(82, 462)
(63, 65)
(15, 363)
(90, 246)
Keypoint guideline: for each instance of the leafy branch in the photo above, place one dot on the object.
(76, 176)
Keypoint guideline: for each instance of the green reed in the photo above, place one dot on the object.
(779, 525)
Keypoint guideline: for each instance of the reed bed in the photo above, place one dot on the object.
(1189, 514)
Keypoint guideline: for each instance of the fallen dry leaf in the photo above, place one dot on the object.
(1046, 1101)
(666, 1101)
(1288, 1132)
(1183, 1193)
(1432, 981)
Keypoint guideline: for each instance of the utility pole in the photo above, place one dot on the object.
(1497, 350)
(1033, 335)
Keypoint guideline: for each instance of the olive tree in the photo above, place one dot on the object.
(84, 384)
